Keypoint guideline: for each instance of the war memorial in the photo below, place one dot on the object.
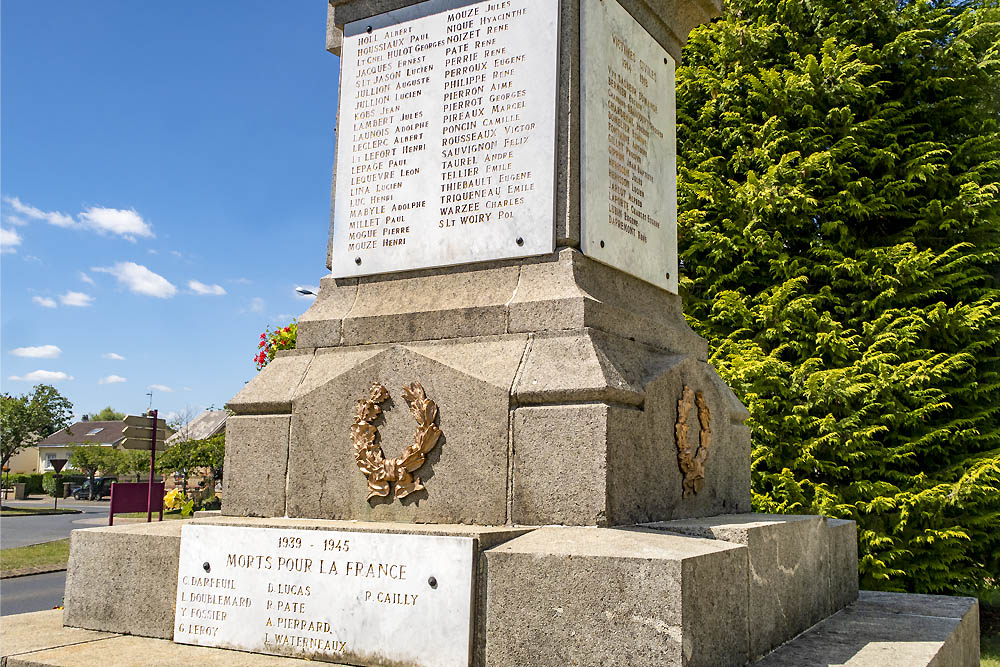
(497, 442)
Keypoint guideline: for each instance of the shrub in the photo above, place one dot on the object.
(33, 482)
(49, 483)
(839, 190)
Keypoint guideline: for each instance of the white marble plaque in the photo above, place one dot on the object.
(446, 136)
(629, 170)
(336, 596)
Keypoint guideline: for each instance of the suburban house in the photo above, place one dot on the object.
(84, 432)
(24, 462)
(202, 427)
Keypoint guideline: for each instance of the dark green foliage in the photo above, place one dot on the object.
(108, 414)
(32, 482)
(26, 419)
(839, 189)
(50, 487)
(186, 456)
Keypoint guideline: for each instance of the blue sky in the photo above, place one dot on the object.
(165, 174)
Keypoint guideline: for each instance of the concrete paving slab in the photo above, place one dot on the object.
(40, 630)
(125, 650)
(880, 630)
(888, 630)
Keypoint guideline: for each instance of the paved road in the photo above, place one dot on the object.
(19, 531)
(38, 592)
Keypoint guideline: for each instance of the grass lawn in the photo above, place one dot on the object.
(49, 553)
(32, 511)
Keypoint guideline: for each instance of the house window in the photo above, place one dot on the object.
(95, 431)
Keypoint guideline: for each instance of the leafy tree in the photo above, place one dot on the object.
(181, 457)
(26, 419)
(839, 189)
(132, 462)
(16, 426)
(108, 414)
(212, 455)
(52, 410)
(91, 459)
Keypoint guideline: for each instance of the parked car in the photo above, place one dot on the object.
(102, 488)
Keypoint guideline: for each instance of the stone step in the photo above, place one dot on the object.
(888, 629)
(879, 630)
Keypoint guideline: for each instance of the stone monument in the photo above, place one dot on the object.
(498, 442)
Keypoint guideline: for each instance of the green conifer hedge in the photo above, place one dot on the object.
(839, 197)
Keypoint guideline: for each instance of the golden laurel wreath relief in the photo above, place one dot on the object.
(692, 464)
(382, 472)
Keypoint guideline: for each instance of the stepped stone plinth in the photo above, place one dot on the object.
(497, 439)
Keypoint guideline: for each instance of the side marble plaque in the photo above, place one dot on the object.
(629, 170)
(336, 596)
(446, 136)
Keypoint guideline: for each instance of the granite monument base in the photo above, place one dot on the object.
(723, 590)
(879, 630)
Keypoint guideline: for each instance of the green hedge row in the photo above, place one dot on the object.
(33, 481)
(39, 483)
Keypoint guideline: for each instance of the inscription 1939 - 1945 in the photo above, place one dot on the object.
(445, 146)
(334, 595)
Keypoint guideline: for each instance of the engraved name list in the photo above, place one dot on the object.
(446, 130)
(334, 595)
(629, 152)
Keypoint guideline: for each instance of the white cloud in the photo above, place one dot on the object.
(139, 279)
(87, 279)
(14, 220)
(37, 352)
(42, 376)
(112, 379)
(257, 305)
(201, 288)
(76, 299)
(241, 281)
(51, 217)
(308, 288)
(9, 240)
(44, 301)
(123, 222)
(176, 253)
(160, 387)
(112, 355)
(127, 223)
(187, 388)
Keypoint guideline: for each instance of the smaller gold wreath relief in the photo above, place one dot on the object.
(692, 464)
(383, 472)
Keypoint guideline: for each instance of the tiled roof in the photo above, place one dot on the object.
(81, 432)
(205, 425)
